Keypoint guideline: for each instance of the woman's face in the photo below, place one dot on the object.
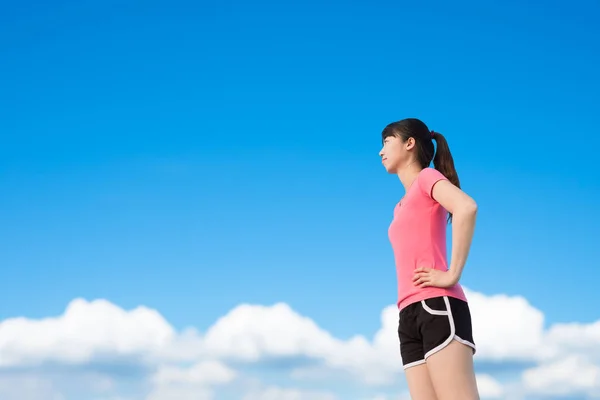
(394, 153)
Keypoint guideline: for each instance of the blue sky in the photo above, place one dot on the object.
(192, 157)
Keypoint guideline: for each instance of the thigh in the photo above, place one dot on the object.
(411, 340)
(419, 383)
(449, 348)
(413, 355)
(452, 374)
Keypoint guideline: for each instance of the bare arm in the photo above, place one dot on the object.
(464, 211)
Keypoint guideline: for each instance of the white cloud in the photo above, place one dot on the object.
(194, 382)
(87, 330)
(28, 387)
(181, 392)
(574, 375)
(403, 396)
(47, 385)
(277, 393)
(378, 397)
(506, 328)
(204, 373)
(574, 338)
(489, 388)
(178, 364)
(252, 333)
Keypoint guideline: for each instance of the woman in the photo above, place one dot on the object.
(435, 333)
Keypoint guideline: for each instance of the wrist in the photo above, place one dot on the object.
(455, 275)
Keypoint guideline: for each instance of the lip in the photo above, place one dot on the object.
(383, 159)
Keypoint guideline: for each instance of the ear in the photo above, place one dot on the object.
(410, 143)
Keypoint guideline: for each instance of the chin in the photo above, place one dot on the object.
(390, 169)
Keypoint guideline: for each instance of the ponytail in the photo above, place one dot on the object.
(443, 160)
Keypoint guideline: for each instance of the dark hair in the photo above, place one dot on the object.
(415, 128)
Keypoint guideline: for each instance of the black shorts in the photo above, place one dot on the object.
(428, 326)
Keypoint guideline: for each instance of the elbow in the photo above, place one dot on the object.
(472, 207)
(469, 208)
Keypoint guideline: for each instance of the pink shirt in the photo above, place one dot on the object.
(418, 237)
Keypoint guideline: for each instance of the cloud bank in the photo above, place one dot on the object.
(97, 350)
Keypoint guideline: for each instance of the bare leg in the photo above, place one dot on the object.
(452, 373)
(419, 383)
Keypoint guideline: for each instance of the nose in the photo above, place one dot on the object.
(381, 153)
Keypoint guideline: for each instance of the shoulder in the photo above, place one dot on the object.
(427, 178)
(430, 173)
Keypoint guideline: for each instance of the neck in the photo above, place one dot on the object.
(408, 174)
